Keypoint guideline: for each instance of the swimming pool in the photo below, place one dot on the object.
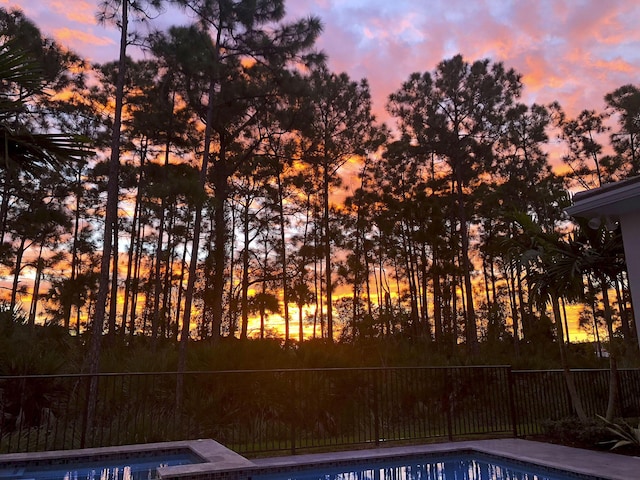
(126, 462)
(133, 468)
(496, 459)
(445, 467)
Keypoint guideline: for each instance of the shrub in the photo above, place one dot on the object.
(571, 431)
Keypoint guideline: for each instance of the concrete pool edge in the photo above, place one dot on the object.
(605, 465)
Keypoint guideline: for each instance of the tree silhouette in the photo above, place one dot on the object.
(338, 127)
(457, 113)
(624, 104)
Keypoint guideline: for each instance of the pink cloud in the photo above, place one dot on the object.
(573, 52)
(76, 38)
(82, 11)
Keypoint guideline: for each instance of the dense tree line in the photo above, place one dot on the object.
(214, 192)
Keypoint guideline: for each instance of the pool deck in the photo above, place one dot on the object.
(602, 465)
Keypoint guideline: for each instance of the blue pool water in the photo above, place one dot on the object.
(135, 468)
(458, 467)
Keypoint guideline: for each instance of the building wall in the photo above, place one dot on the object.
(630, 224)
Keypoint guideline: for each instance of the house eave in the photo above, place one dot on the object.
(613, 200)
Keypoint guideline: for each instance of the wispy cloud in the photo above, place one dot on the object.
(82, 12)
(77, 39)
(566, 50)
(573, 52)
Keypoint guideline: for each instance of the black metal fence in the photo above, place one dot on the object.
(255, 412)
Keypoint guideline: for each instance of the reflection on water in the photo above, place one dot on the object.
(451, 469)
(110, 473)
(143, 468)
(115, 473)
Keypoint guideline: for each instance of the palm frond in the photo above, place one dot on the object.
(21, 78)
(29, 151)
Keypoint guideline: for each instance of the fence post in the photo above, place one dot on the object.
(85, 416)
(446, 398)
(293, 418)
(512, 402)
(376, 413)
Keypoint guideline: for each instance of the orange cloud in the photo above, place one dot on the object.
(81, 12)
(617, 65)
(69, 36)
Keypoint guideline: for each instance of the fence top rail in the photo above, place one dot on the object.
(300, 370)
(559, 370)
(279, 370)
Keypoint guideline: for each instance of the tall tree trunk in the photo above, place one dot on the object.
(244, 293)
(409, 261)
(195, 247)
(471, 327)
(168, 279)
(565, 319)
(113, 298)
(596, 330)
(208, 322)
(566, 370)
(110, 226)
(283, 253)
(622, 305)
(133, 245)
(74, 252)
(367, 278)
(157, 280)
(424, 299)
(492, 272)
(135, 290)
(183, 263)
(327, 252)
(355, 301)
(16, 273)
(221, 195)
(79, 318)
(487, 293)
(302, 267)
(36, 288)
(264, 293)
(300, 324)
(511, 289)
(4, 208)
(525, 312)
(437, 301)
(232, 312)
(612, 402)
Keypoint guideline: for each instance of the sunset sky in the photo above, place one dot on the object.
(573, 51)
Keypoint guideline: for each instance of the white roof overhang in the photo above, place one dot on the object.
(613, 199)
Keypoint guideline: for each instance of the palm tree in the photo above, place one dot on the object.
(555, 270)
(603, 259)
